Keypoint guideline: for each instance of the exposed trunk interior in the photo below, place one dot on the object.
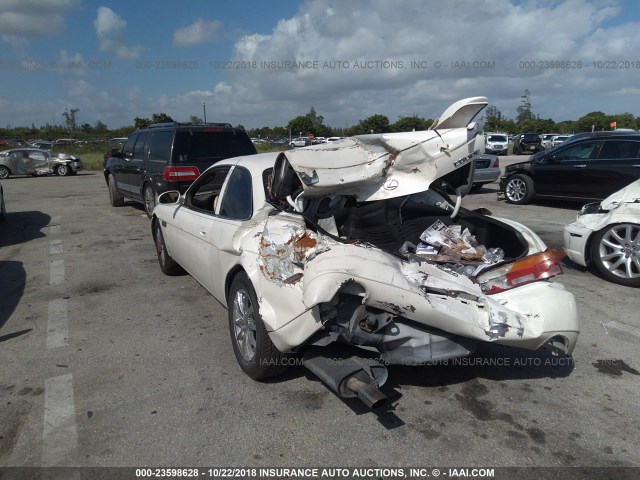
(387, 224)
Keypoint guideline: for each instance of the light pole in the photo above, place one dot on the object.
(204, 110)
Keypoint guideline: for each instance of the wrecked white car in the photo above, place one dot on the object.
(606, 235)
(351, 255)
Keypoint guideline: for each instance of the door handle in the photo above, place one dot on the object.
(580, 166)
(637, 166)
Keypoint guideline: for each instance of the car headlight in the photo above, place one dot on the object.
(590, 208)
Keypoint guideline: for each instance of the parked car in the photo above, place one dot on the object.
(308, 250)
(33, 161)
(546, 140)
(527, 143)
(589, 167)
(333, 139)
(3, 208)
(606, 235)
(487, 171)
(497, 143)
(300, 142)
(169, 156)
(559, 139)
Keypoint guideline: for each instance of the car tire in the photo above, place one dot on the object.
(615, 252)
(115, 197)
(149, 198)
(167, 264)
(257, 356)
(518, 189)
(62, 170)
(4, 172)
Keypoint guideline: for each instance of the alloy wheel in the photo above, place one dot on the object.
(516, 190)
(619, 250)
(244, 324)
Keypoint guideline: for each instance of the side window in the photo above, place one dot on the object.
(138, 150)
(16, 155)
(37, 156)
(160, 146)
(205, 192)
(619, 149)
(237, 202)
(127, 150)
(581, 151)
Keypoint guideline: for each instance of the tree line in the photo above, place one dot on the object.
(313, 123)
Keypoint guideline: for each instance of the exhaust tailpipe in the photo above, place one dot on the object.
(370, 395)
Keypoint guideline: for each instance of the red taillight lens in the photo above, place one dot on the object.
(497, 162)
(183, 174)
(529, 269)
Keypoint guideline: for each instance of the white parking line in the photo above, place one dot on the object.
(60, 436)
(56, 272)
(56, 246)
(57, 321)
(624, 328)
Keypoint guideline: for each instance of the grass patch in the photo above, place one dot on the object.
(92, 161)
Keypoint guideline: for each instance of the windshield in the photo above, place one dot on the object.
(497, 138)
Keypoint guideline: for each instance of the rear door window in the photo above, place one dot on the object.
(619, 150)
(237, 202)
(160, 146)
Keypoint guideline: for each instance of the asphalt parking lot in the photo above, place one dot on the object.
(107, 362)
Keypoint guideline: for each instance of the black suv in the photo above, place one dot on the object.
(527, 143)
(169, 156)
(589, 166)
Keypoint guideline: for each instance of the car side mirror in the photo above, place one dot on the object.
(115, 152)
(169, 197)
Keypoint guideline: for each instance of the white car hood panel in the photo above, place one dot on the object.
(382, 166)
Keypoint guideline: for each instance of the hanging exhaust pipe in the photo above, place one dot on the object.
(349, 377)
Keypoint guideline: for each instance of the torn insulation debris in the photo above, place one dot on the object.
(281, 256)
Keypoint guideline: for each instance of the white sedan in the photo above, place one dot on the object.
(607, 235)
(317, 252)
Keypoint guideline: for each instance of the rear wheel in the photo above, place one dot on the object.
(149, 196)
(167, 264)
(4, 172)
(256, 354)
(519, 189)
(615, 252)
(115, 197)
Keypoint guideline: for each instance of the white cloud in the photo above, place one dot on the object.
(20, 19)
(109, 28)
(386, 37)
(200, 31)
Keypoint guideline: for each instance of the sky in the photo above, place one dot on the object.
(260, 63)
